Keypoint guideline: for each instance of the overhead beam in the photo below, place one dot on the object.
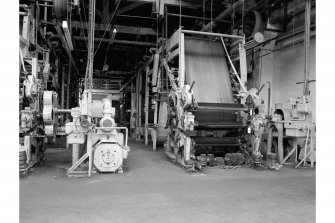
(126, 42)
(119, 28)
(162, 3)
(131, 7)
(118, 48)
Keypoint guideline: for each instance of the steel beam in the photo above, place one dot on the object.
(119, 28)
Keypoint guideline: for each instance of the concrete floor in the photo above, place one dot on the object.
(155, 190)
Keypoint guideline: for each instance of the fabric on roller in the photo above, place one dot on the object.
(205, 63)
(162, 116)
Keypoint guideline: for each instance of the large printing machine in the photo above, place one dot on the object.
(210, 111)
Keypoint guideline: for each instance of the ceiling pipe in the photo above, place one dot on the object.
(226, 13)
(116, 41)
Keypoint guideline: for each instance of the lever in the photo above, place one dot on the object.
(189, 91)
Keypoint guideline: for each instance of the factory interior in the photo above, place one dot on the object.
(167, 111)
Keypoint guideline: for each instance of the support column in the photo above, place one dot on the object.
(146, 106)
(312, 146)
(137, 99)
(140, 104)
(269, 142)
(280, 154)
(63, 92)
(155, 112)
(181, 78)
(75, 153)
(90, 154)
(68, 90)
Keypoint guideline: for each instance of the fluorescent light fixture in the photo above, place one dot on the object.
(67, 35)
(113, 36)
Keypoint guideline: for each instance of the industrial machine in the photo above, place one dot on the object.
(94, 125)
(38, 100)
(210, 111)
(293, 122)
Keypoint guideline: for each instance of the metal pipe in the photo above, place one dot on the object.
(212, 34)
(61, 110)
(198, 17)
(269, 97)
(232, 65)
(307, 45)
(45, 19)
(136, 17)
(46, 5)
(269, 142)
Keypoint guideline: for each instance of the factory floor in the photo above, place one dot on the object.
(155, 190)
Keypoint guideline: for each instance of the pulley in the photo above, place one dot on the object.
(252, 23)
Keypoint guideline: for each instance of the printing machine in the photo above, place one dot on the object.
(205, 116)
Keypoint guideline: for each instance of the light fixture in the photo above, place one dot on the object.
(67, 35)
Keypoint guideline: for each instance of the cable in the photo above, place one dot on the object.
(117, 6)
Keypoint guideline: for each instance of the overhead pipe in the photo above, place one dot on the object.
(223, 15)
